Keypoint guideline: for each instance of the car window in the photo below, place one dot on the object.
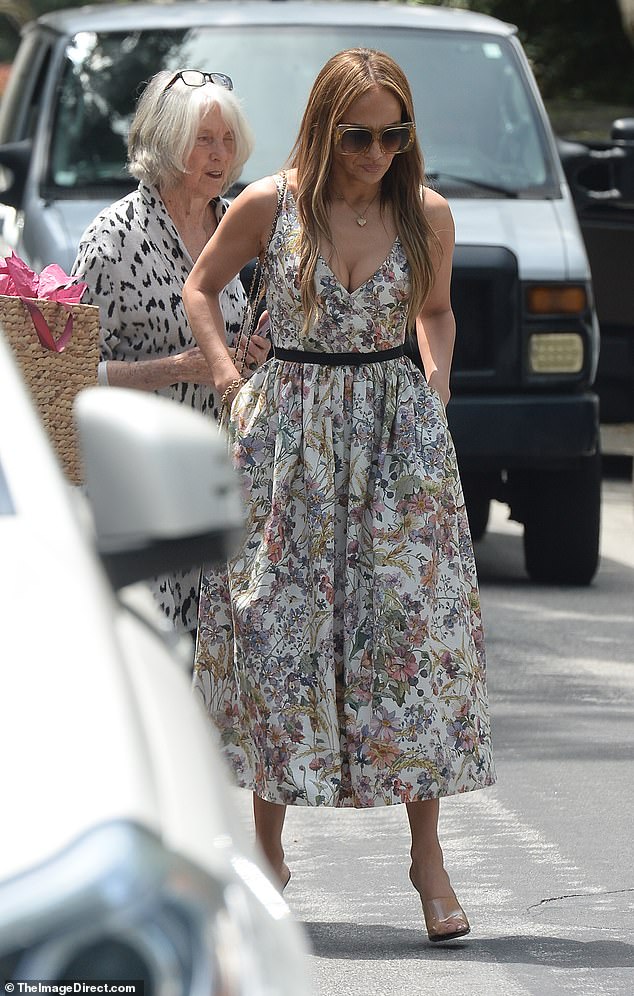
(474, 110)
(20, 103)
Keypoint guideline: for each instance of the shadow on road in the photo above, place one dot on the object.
(375, 942)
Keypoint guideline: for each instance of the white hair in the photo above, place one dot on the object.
(165, 125)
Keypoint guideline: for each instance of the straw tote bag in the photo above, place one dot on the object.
(57, 349)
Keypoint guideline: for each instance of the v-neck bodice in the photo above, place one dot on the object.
(371, 317)
(369, 279)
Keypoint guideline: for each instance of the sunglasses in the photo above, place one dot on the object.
(353, 140)
(195, 77)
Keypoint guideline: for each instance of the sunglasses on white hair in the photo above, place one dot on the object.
(195, 77)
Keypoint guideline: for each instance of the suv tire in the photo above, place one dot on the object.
(562, 523)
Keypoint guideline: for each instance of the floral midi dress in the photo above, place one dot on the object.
(343, 663)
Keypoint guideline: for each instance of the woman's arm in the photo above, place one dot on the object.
(152, 375)
(436, 326)
(100, 266)
(241, 235)
(96, 265)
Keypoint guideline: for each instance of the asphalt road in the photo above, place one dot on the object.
(542, 862)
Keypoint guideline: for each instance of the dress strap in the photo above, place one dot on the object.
(281, 182)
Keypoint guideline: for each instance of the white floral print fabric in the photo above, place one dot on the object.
(344, 661)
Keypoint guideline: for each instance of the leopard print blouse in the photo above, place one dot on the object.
(135, 264)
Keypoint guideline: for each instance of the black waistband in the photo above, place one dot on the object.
(338, 359)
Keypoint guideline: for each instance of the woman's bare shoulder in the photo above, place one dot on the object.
(254, 207)
(435, 203)
(437, 210)
(258, 194)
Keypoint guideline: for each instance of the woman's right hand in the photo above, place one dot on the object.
(193, 367)
(227, 392)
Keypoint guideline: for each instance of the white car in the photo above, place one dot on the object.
(121, 857)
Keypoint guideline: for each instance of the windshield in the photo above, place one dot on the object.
(475, 114)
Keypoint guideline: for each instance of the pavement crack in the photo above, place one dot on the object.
(579, 895)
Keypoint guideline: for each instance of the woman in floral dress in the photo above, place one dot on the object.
(344, 664)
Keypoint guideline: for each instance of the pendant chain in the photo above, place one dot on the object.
(360, 217)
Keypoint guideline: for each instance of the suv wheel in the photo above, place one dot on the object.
(562, 514)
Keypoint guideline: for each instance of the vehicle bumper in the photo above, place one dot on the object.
(506, 431)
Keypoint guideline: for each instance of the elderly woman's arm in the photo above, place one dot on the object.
(152, 375)
(436, 326)
(93, 265)
(241, 235)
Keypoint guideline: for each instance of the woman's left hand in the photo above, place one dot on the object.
(440, 386)
(259, 345)
(259, 349)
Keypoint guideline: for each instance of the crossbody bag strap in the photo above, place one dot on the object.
(256, 290)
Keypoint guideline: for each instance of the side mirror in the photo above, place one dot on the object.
(596, 175)
(15, 157)
(160, 481)
(622, 130)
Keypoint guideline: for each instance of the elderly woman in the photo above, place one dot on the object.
(187, 145)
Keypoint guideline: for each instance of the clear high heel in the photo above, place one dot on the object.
(445, 919)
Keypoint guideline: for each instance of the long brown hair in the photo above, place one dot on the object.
(346, 77)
